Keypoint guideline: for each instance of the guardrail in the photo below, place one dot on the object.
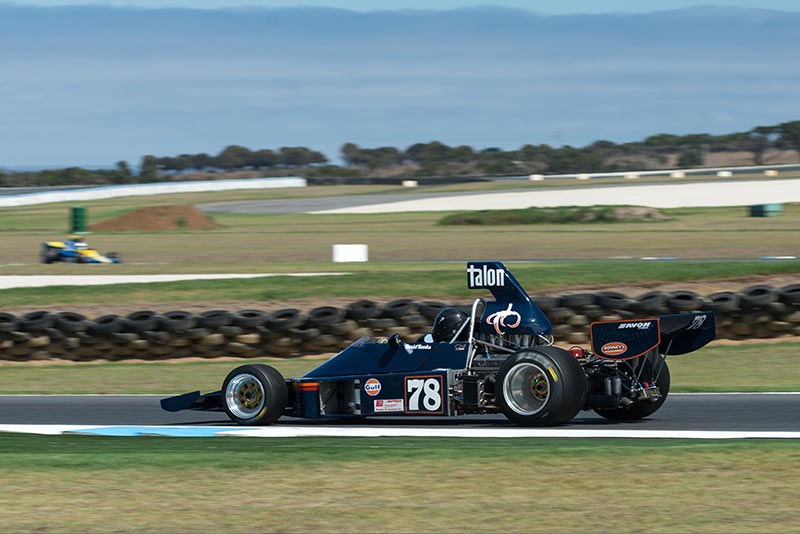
(759, 311)
(112, 191)
(767, 170)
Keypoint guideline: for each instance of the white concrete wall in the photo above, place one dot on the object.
(112, 191)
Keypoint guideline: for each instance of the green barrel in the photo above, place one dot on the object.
(766, 210)
(77, 220)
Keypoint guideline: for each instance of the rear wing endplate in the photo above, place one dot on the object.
(671, 334)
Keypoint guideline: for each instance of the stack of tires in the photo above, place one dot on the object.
(759, 311)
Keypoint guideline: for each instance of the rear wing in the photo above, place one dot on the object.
(671, 334)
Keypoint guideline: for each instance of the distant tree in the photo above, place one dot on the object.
(695, 139)
(123, 174)
(661, 141)
(416, 152)
(232, 157)
(184, 162)
(264, 158)
(691, 157)
(463, 154)
(149, 168)
(316, 158)
(351, 154)
(166, 163)
(603, 145)
(385, 156)
(202, 161)
(432, 153)
(790, 134)
(497, 166)
(535, 153)
(759, 140)
(571, 159)
(295, 156)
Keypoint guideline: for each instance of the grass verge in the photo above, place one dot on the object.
(715, 368)
(266, 242)
(388, 280)
(557, 215)
(94, 484)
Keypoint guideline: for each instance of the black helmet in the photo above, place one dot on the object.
(448, 323)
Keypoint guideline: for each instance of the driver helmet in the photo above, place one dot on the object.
(447, 323)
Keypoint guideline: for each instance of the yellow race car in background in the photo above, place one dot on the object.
(75, 250)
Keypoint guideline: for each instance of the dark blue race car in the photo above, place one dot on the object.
(498, 357)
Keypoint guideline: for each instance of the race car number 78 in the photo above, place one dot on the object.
(429, 389)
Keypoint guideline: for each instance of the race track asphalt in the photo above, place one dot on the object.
(658, 195)
(688, 411)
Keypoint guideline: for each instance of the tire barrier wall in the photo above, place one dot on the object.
(759, 311)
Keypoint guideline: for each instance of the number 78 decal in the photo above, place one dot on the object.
(424, 394)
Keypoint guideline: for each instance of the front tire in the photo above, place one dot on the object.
(544, 386)
(49, 255)
(254, 394)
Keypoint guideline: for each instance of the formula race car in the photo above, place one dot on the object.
(75, 250)
(497, 358)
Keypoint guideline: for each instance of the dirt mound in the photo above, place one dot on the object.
(175, 217)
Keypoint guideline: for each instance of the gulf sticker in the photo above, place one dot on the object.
(615, 348)
(372, 387)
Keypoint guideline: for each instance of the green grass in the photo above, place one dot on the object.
(250, 243)
(558, 215)
(712, 368)
(93, 484)
(382, 280)
(730, 368)
(131, 378)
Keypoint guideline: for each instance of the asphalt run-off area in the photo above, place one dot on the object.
(679, 195)
(684, 415)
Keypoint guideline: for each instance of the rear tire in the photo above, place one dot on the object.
(655, 366)
(545, 386)
(254, 395)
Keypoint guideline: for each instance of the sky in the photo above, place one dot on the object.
(542, 6)
(91, 86)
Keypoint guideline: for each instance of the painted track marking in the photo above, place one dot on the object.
(279, 431)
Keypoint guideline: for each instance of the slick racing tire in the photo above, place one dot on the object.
(254, 395)
(105, 325)
(141, 321)
(758, 296)
(250, 318)
(36, 321)
(70, 322)
(8, 322)
(284, 319)
(177, 321)
(362, 310)
(655, 370)
(722, 302)
(650, 302)
(325, 316)
(545, 386)
(49, 255)
(214, 319)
